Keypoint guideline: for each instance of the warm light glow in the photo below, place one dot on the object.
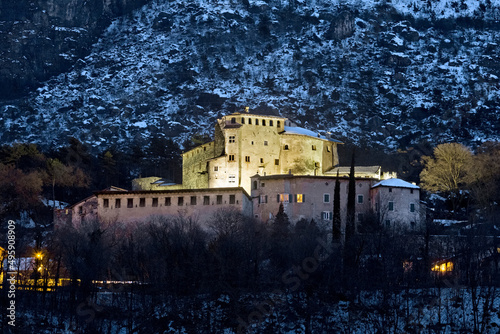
(443, 267)
(39, 255)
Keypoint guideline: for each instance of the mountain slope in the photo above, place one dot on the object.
(369, 72)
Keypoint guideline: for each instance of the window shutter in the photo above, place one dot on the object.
(259, 199)
(303, 198)
(295, 198)
(266, 199)
(278, 198)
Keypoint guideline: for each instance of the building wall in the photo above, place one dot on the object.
(75, 214)
(312, 189)
(401, 214)
(146, 204)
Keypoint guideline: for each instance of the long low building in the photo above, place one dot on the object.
(119, 205)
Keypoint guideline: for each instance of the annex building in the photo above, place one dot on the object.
(254, 163)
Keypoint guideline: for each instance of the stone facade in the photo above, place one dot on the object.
(312, 197)
(247, 144)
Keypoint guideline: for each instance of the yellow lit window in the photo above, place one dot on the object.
(299, 198)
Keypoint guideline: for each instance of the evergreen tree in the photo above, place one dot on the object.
(351, 201)
(336, 228)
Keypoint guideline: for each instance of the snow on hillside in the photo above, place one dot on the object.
(382, 72)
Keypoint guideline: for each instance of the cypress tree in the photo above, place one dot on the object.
(336, 210)
(351, 202)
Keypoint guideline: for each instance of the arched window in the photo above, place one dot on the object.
(278, 123)
(254, 185)
(233, 120)
(286, 147)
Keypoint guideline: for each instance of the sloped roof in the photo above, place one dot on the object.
(295, 130)
(395, 183)
(357, 170)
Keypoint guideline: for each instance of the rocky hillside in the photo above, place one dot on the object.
(383, 73)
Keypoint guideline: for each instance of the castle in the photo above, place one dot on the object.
(254, 163)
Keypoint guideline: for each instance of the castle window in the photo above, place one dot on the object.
(328, 148)
(390, 190)
(243, 120)
(206, 200)
(284, 198)
(270, 122)
(299, 198)
(391, 206)
(80, 209)
(249, 121)
(263, 122)
(360, 199)
(232, 199)
(411, 191)
(314, 147)
(142, 202)
(265, 142)
(233, 120)
(412, 207)
(219, 199)
(193, 200)
(130, 202)
(277, 162)
(247, 158)
(118, 203)
(232, 139)
(278, 123)
(216, 168)
(105, 203)
(286, 147)
(168, 201)
(326, 215)
(180, 201)
(262, 199)
(232, 178)
(231, 157)
(155, 202)
(262, 185)
(261, 160)
(326, 198)
(255, 185)
(256, 121)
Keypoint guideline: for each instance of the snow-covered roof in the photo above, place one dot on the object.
(345, 170)
(305, 132)
(396, 183)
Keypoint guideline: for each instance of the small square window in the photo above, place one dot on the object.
(300, 198)
(232, 178)
(411, 191)
(232, 199)
(328, 148)
(231, 157)
(360, 199)
(326, 198)
(118, 203)
(180, 201)
(263, 199)
(142, 202)
(105, 203)
(247, 158)
(265, 142)
(286, 148)
(391, 206)
(314, 147)
(216, 168)
(285, 198)
(130, 202)
(277, 162)
(262, 184)
(232, 139)
(390, 190)
(168, 201)
(261, 160)
(155, 202)
(193, 200)
(206, 200)
(219, 199)
(326, 215)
